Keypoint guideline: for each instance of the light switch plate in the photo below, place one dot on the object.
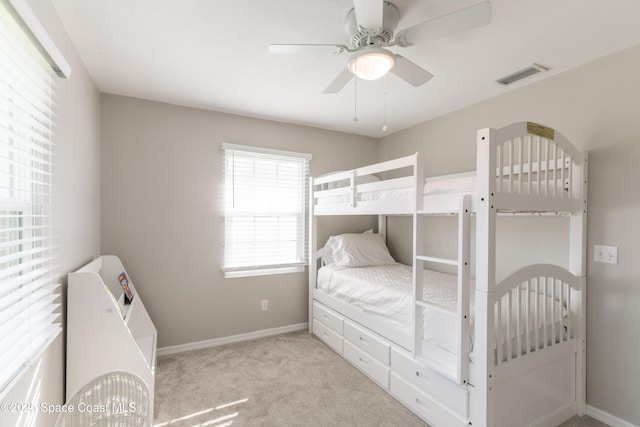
(606, 254)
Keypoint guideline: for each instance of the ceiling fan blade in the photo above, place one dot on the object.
(410, 72)
(455, 22)
(339, 82)
(292, 49)
(368, 13)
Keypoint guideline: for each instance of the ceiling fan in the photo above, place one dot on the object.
(371, 25)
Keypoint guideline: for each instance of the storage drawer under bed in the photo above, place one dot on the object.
(451, 394)
(328, 317)
(367, 342)
(367, 364)
(423, 404)
(331, 338)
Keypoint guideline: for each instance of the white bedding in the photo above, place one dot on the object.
(463, 183)
(386, 290)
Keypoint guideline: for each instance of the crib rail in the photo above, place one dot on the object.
(533, 311)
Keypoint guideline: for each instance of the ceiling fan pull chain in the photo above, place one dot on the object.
(355, 97)
(384, 126)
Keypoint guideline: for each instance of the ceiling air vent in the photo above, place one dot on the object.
(522, 74)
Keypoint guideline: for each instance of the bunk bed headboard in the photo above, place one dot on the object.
(531, 129)
(530, 161)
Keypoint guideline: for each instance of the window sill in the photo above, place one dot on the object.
(263, 271)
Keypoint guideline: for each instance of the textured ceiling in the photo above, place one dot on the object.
(213, 54)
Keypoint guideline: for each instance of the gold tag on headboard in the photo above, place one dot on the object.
(540, 130)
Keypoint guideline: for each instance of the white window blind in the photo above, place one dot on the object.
(29, 292)
(265, 201)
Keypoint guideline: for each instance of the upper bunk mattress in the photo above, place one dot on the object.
(457, 184)
(451, 184)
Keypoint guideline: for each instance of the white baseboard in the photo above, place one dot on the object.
(556, 417)
(607, 418)
(231, 339)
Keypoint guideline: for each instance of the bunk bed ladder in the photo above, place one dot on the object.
(458, 371)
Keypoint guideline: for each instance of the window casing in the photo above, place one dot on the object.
(265, 205)
(29, 289)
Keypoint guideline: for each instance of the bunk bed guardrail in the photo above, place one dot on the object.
(536, 169)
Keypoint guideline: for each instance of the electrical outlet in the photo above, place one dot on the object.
(265, 305)
(606, 254)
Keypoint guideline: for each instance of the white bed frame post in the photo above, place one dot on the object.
(464, 277)
(482, 408)
(418, 249)
(313, 262)
(577, 266)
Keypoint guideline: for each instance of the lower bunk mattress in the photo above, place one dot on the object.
(386, 292)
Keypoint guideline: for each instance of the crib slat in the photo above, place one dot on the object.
(519, 317)
(536, 327)
(509, 308)
(555, 170)
(544, 312)
(570, 173)
(553, 310)
(499, 330)
(539, 172)
(528, 317)
(562, 290)
(546, 171)
(562, 174)
(511, 190)
(530, 163)
(520, 165)
(569, 318)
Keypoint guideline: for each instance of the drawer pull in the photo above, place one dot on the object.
(325, 334)
(363, 341)
(326, 317)
(424, 378)
(423, 404)
(364, 362)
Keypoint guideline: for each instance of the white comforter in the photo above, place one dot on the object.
(386, 291)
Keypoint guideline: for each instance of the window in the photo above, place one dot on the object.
(265, 200)
(29, 292)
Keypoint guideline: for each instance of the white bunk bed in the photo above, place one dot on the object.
(467, 351)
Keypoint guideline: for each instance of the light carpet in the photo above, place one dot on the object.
(285, 380)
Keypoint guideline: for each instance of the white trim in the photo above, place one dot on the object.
(556, 417)
(254, 271)
(263, 150)
(607, 418)
(173, 349)
(39, 37)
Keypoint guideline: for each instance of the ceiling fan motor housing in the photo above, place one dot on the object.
(362, 37)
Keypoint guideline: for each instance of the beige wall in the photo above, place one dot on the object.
(77, 208)
(596, 106)
(161, 213)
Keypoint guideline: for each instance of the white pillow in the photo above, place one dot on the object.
(357, 250)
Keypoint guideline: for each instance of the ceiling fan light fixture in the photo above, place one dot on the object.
(371, 63)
